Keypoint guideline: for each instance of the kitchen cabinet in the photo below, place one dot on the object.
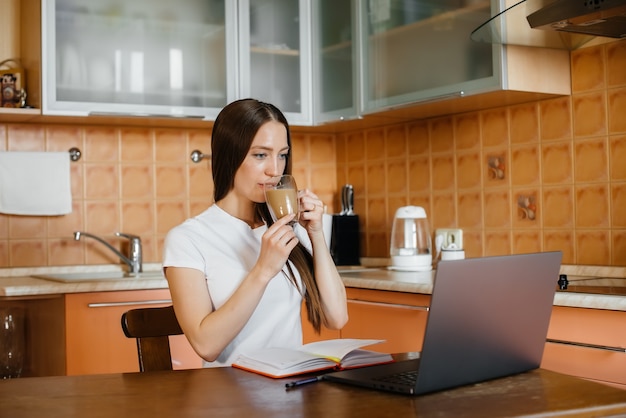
(418, 51)
(44, 332)
(9, 29)
(275, 55)
(399, 318)
(592, 342)
(141, 57)
(335, 61)
(81, 333)
(95, 342)
(19, 39)
(603, 329)
(308, 333)
(319, 61)
(186, 59)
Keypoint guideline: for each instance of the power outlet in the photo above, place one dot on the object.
(448, 239)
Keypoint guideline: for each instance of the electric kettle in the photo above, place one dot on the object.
(411, 244)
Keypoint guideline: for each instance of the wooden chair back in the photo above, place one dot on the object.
(152, 328)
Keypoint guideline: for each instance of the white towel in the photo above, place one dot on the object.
(35, 183)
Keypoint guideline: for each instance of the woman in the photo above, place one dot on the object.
(237, 279)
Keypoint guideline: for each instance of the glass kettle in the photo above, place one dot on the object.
(411, 243)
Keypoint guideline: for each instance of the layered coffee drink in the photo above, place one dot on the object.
(282, 202)
(281, 197)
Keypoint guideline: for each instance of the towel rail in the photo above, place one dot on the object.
(196, 155)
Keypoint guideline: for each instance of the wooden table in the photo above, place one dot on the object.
(229, 392)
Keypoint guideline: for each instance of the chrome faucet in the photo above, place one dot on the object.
(134, 261)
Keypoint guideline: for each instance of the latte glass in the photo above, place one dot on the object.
(281, 196)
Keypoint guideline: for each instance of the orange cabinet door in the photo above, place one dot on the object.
(95, 342)
(603, 328)
(308, 333)
(398, 318)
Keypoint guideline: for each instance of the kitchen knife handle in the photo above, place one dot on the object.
(349, 200)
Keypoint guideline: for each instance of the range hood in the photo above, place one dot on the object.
(562, 24)
(597, 18)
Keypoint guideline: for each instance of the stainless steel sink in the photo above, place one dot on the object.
(99, 276)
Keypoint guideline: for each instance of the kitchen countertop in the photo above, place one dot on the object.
(18, 282)
(422, 282)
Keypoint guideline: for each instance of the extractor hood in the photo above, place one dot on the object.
(591, 17)
(563, 24)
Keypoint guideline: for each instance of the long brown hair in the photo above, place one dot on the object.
(233, 132)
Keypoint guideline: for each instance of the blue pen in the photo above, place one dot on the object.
(302, 382)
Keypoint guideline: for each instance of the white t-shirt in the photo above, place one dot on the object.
(225, 249)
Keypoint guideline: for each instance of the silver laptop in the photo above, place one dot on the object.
(488, 318)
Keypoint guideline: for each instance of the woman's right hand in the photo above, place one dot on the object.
(276, 245)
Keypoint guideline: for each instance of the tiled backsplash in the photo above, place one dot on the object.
(538, 176)
(135, 180)
(548, 175)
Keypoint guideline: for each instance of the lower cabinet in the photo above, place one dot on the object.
(44, 330)
(308, 333)
(95, 342)
(588, 344)
(399, 318)
(81, 333)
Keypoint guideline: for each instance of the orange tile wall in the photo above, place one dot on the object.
(565, 157)
(135, 180)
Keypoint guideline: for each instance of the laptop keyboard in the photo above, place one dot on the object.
(407, 378)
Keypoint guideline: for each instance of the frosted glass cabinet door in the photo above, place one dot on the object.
(138, 57)
(275, 55)
(417, 50)
(334, 52)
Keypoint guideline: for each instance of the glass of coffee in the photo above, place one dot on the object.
(281, 196)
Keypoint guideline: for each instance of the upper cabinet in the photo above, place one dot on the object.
(20, 42)
(152, 57)
(319, 61)
(335, 60)
(275, 55)
(421, 51)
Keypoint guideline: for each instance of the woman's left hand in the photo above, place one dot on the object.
(311, 210)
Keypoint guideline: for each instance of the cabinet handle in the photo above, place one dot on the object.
(140, 302)
(587, 345)
(393, 305)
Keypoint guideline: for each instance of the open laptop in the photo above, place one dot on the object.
(488, 318)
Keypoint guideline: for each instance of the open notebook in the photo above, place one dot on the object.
(342, 353)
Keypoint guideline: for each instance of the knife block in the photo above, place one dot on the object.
(345, 240)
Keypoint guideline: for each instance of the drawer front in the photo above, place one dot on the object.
(578, 329)
(590, 363)
(95, 342)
